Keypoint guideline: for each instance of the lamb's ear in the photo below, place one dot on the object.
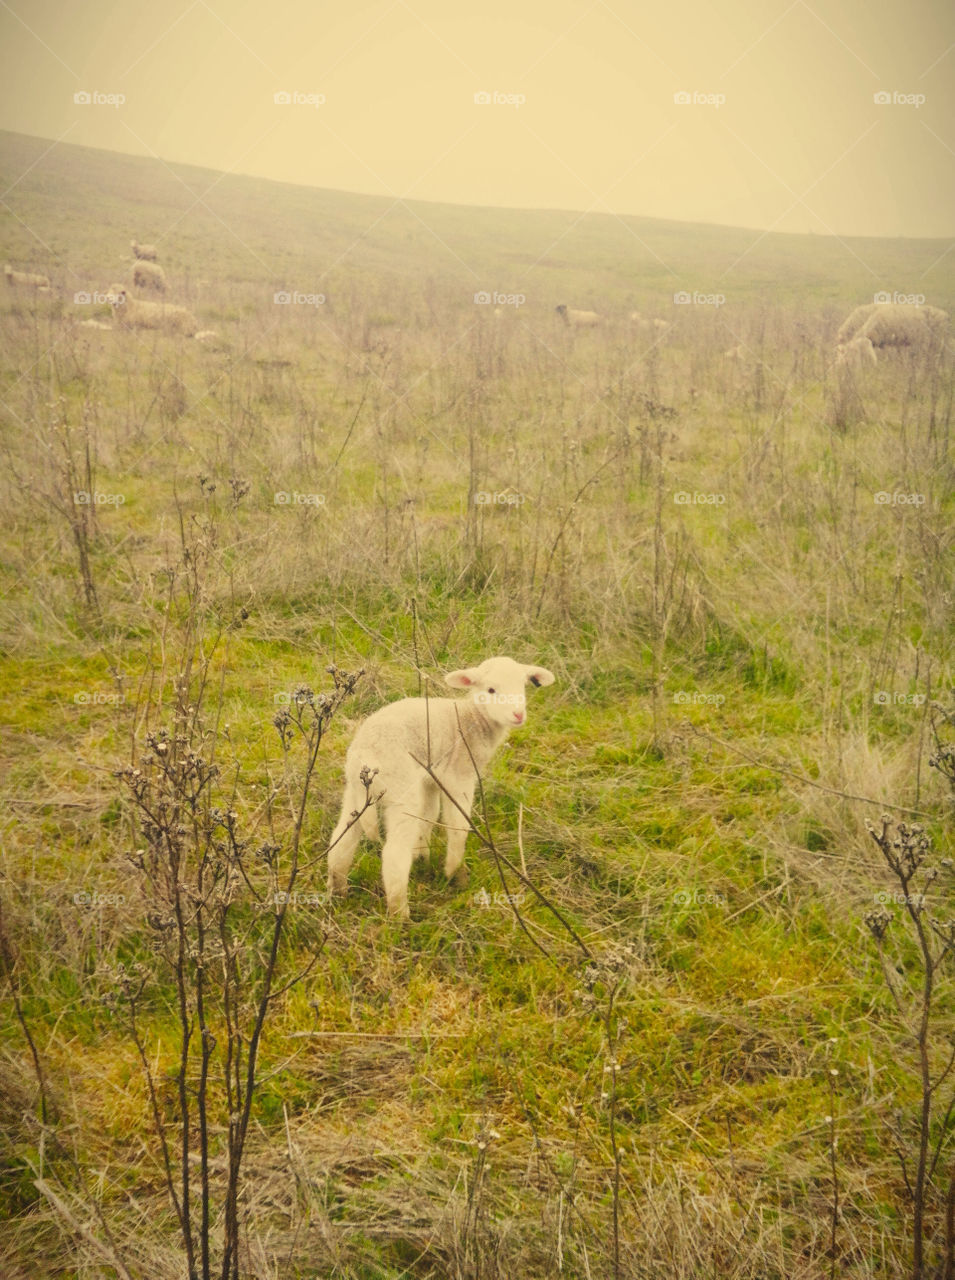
(465, 679)
(538, 676)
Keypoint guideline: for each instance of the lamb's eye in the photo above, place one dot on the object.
(490, 690)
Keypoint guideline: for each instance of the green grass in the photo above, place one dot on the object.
(686, 788)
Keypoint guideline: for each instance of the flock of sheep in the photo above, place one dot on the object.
(421, 759)
(130, 312)
(874, 327)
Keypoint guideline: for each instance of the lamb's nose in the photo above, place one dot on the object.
(518, 717)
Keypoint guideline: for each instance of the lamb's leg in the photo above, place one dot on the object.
(343, 843)
(429, 814)
(405, 832)
(458, 829)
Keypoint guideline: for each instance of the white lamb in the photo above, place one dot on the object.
(149, 275)
(145, 252)
(457, 737)
(133, 313)
(577, 319)
(26, 279)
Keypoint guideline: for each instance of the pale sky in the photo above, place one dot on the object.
(782, 131)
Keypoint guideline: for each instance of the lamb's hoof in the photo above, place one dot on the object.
(460, 878)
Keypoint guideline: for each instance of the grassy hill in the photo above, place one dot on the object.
(654, 1036)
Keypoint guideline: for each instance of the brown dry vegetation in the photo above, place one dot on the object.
(742, 682)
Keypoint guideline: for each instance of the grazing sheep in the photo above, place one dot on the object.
(132, 313)
(26, 279)
(661, 324)
(638, 321)
(577, 319)
(207, 335)
(145, 252)
(856, 352)
(735, 353)
(149, 275)
(893, 324)
(457, 737)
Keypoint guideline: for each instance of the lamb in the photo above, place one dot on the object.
(26, 279)
(457, 737)
(577, 319)
(145, 252)
(638, 321)
(132, 313)
(149, 275)
(892, 324)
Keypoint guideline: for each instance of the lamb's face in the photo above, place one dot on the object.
(497, 686)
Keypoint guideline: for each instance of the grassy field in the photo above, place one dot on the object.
(682, 1057)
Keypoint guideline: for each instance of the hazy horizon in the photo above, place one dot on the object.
(831, 121)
